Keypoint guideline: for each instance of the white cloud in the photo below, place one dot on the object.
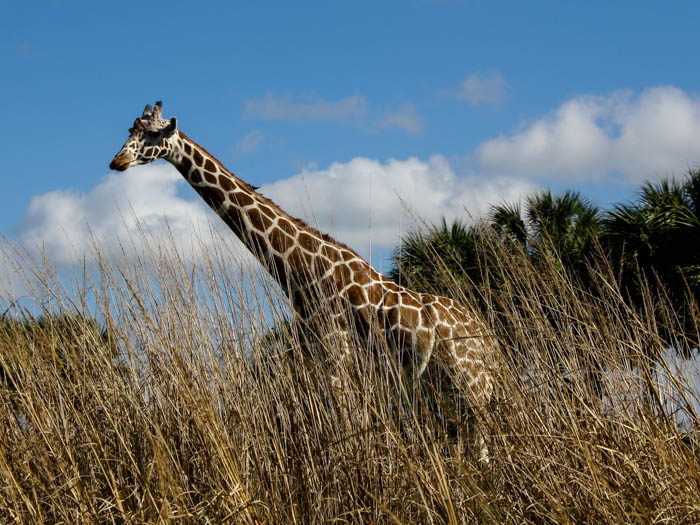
(250, 143)
(654, 133)
(404, 118)
(346, 197)
(139, 208)
(483, 88)
(309, 107)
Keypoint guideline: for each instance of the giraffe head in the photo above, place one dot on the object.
(150, 138)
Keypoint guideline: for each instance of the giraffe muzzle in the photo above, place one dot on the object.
(120, 162)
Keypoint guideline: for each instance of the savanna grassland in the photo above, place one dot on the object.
(151, 390)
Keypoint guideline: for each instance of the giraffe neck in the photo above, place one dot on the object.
(295, 254)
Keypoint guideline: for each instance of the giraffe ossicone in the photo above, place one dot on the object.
(321, 276)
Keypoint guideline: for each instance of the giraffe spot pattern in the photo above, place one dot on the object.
(198, 159)
(322, 276)
(225, 183)
(259, 221)
(427, 324)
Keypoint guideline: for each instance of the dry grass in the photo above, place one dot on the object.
(192, 410)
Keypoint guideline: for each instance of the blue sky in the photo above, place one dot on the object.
(351, 106)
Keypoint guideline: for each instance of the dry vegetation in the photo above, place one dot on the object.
(198, 404)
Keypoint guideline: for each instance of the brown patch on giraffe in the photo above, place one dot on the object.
(286, 226)
(393, 316)
(342, 274)
(361, 272)
(428, 299)
(213, 196)
(278, 266)
(233, 220)
(407, 299)
(392, 286)
(242, 199)
(409, 318)
(391, 299)
(356, 295)
(184, 167)
(149, 152)
(198, 159)
(188, 148)
(280, 241)
(322, 265)
(267, 211)
(226, 183)
(330, 253)
(443, 313)
(308, 242)
(375, 292)
(258, 220)
(357, 266)
(196, 177)
(348, 255)
(443, 333)
(423, 337)
(300, 262)
(327, 283)
(362, 278)
(209, 166)
(257, 241)
(211, 179)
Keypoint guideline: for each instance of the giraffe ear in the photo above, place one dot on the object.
(170, 128)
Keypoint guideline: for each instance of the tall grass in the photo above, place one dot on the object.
(201, 403)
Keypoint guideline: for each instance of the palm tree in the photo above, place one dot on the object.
(437, 259)
(658, 238)
(566, 227)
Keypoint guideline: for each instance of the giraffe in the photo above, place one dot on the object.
(321, 276)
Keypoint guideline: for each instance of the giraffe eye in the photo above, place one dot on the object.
(152, 134)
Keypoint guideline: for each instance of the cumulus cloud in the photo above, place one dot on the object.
(638, 136)
(138, 209)
(308, 107)
(354, 201)
(250, 143)
(363, 198)
(483, 88)
(404, 118)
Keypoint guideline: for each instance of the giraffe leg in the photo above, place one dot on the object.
(475, 388)
(481, 390)
(337, 343)
(476, 439)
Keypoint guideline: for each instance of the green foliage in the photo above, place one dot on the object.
(660, 232)
(564, 227)
(424, 259)
(655, 239)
